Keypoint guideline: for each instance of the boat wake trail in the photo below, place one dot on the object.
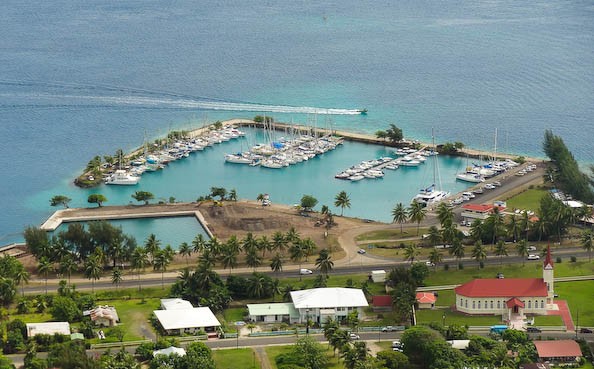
(71, 95)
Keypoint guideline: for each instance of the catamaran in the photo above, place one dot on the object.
(432, 194)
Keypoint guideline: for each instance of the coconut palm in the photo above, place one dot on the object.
(21, 277)
(341, 200)
(435, 257)
(434, 236)
(411, 251)
(308, 246)
(116, 277)
(324, 262)
(249, 243)
(252, 259)
(256, 285)
(522, 250)
(139, 262)
(293, 236)
(233, 195)
(276, 263)
(279, 242)
(479, 253)
(297, 254)
(514, 227)
(417, 213)
(286, 292)
(152, 246)
(160, 263)
(198, 244)
(67, 266)
(495, 224)
(457, 250)
(587, 244)
(264, 245)
(399, 215)
(185, 250)
(477, 230)
(501, 250)
(93, 269)
(450, 232)
(204, 277)
(229, 255)
(445, 214)
(44, 267)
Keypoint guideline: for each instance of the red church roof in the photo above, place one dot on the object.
(508, 287)
(381, 300)
(426, 298)
(560, 348)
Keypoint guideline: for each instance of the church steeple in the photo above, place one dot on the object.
(547, 275)
(548, 263)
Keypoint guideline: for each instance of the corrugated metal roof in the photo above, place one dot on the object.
(508, 287)
(281, 308)
(187, 318)
(329, 298)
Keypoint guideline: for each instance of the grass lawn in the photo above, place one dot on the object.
(274, 351)
(242, 358)
(391, 234)
(527, 200)
(31, 317)
(134, 315)
(451, 317)
(548, 321)
(579, 296)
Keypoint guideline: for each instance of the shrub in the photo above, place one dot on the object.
(460, 265)
(481, 264)
(145, 351)
(573, 259)
(446, 266)
(558, 259)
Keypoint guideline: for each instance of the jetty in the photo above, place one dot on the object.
(124, 212)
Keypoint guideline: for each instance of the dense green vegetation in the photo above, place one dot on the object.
(565, 173)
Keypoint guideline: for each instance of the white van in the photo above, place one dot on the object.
(305, 271)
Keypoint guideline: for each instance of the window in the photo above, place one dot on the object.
(466, 303)
(479, 305)
(491, 304)
(461, 302)
(474, 304)
(498, 304)
(542, 304)
(529, 304)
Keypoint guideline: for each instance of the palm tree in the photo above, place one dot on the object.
(21, 277)
(434, 236)
(44, 267)
(276, 264)
(293, 236)
(399, 215)
(249, 243)
(160, 263)
(275, 288)
(411, 252)
(264, 245)
(514, 227)
(501, 251)
(67, 266)
(324, 262)
(449, 233)
(476, 230)
(214, 246)
(308, 246)
(457, 250)
(286, 291)
(478, 252)
(522, 250)
(496, 224)
(252, 259)
(93, 270)
(256, 286)
(342, 201)
(152, 246)
(587, 244)
(139, 261)
(229, 255)
(445, 214)
(279, 242)
(116, 277)
(525, 224)
(233, 195)
(185, 250)
(417, 213)
(435, 257)
(204, 276)
(297, 254)
(198, 244)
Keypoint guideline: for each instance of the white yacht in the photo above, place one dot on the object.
(470, 177)
(121, 177)
(430, 195)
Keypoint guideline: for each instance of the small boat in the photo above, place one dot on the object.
(356, 177)
(121, 177)
(362, 111)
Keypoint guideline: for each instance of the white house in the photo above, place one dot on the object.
(50, 328)
(508, 296)
(273, 313)
(318, 304)
(175, 303)
(192, 320)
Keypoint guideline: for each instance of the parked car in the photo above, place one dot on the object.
(533, 257)
(388, 328)
(354, 336)
(585, 330)
(531, 248)
(533, 330)
(500, 276)
(429, 264)
(397, 346)
(305, 271)
(361, 251)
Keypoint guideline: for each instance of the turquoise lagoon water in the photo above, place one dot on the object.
(80, 78)
(189, 178)
(169, 230)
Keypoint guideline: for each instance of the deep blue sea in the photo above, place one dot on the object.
(80, 78)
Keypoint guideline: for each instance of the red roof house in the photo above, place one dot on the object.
(558, 351)
(381, 303)
(426, 300)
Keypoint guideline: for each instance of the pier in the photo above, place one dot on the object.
(124, 212)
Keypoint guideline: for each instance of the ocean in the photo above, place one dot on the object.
(79, 79)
